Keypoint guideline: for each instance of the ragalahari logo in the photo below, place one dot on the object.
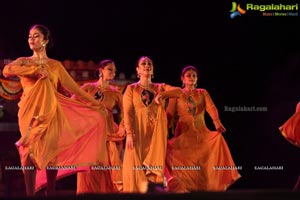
(236, 10)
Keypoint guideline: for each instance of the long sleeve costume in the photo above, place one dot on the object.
(197, 159)
(108, 179)
(56, 131)
(146, 122)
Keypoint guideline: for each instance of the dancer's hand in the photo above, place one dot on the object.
(129, 142)
(158, 99)
(219, 126)
(121, 132)
(42, 73)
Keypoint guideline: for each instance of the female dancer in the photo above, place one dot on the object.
(146, 129)
(197, 159)
(106, 179)
(55, 135)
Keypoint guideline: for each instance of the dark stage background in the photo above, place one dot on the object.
(250, 60)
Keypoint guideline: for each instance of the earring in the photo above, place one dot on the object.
(183, 85)
(152, 76)
(100, 75)
(138, 75)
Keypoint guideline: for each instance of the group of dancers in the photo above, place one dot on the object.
(62, 135)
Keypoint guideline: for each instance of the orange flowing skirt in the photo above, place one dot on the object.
(291, 129)
(195, 164)
(59, 133)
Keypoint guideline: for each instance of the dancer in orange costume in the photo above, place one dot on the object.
(146, 129)
(55, 133)
(197, 159)
(291, 128)
(106, 179)
(291, 131)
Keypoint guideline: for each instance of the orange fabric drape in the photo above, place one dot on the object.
(108, 179)
(197, 159)
(291, 129)
(56, 130)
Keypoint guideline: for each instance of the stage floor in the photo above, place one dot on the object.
(247, 194)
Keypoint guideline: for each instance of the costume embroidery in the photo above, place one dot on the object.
(147, 97)
(191, 105)
(99, 96)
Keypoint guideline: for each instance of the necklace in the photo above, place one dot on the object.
(39, 61)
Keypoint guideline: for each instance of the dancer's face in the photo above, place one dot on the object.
(189, 78)
(109, 71)
(145, 67)
(36, 39)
